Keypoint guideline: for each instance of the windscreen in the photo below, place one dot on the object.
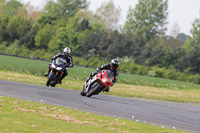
(110, 74)
(60, 61)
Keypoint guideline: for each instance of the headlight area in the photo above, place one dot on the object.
(53, 66)
(104, 80)
(59, 68)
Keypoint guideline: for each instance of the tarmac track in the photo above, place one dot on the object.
(162, 113)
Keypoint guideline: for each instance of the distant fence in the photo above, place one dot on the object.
(33, 58)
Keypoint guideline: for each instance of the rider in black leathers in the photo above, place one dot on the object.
(112, 66)
(66, 55)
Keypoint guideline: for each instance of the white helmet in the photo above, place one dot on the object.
(67, 50)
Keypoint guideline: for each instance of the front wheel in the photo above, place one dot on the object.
(94, 90)
(82, 92)
(50, 77)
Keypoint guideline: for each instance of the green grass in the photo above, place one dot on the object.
(35, 67)
(157, 82)
(18, 116)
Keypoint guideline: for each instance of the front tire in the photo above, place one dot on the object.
(82, 92)
(50, 77)
(94, 90)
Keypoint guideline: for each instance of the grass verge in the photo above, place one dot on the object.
(24, 116)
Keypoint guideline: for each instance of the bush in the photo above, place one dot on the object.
(3, 47)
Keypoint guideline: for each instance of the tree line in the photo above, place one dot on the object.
(142, 40)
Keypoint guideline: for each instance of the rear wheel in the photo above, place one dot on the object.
(94, 90)
(50, 77)
(53, 85)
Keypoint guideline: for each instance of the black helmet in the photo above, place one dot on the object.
(114, 64)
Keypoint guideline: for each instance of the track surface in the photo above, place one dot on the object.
(168, 114)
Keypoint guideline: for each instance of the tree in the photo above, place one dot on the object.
(18, 27)
(65, 37)
(4, 33)
(182, 37)
(27, 11)
(148, 19)
(11, 7)
(64, 8)
(168, 58)
(156, 55)
(46, 19)
(92, 41)
(196, 31)
(33, 12)
(194, 40)
(28, 40)
(121, 45)
(60, 10)
(172, 43)
(108, 15)
(191, 48)
(194, 60)
(1, 8)
(44, 36)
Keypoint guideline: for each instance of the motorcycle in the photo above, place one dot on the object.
(57, 69)
(98, 83)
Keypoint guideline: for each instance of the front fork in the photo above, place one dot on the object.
(87, 86)
(90, 83)
(57, 73)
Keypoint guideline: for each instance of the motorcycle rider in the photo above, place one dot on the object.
(112, 66)
(66, 55)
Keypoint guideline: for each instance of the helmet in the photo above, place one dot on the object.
(66, 51)
(114, 64)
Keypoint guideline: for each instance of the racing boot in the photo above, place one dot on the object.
(47, 74)
(60, 81)
(107, 89)
(61, 78)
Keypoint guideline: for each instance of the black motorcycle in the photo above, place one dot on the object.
(57, 69)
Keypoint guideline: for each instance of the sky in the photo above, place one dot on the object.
(181, 13)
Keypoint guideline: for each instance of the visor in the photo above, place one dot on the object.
(115, 65)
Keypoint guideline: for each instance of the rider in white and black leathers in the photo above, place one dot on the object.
(66, 55)
(112, 66)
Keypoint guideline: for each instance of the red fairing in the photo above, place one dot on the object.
(105, 78)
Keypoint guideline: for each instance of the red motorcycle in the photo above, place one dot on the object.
(99, 82)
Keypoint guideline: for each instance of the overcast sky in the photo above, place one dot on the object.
(181, 12)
